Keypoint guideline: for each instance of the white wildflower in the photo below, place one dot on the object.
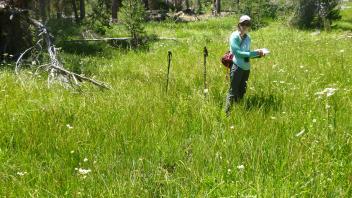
(314, 120)
(300, 133)
(206, 91)
(72, 152)
(328, 92)
(273, 118)
(342, 51)
(83, 171)
(232, 127)
(85, 159)
(240, 167)
(21, 173)
(327, 106)
(69, 126)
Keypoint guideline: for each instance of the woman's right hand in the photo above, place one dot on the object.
(260, 53)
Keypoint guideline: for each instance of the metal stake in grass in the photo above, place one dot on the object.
(169, 57)
(205, 71)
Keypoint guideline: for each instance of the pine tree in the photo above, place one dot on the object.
(133, 17)
(316, 13)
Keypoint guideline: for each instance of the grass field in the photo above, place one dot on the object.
(288, 138)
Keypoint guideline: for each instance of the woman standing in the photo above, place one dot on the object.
(240, 43)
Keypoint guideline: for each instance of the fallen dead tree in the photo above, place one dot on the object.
(116, 39)
(56, 71)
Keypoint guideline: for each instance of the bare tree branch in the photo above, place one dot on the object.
(55, 69)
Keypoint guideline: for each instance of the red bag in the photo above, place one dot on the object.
(227, 59)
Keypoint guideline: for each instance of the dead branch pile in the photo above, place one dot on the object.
(56, 71)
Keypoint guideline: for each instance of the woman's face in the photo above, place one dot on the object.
(245, 27)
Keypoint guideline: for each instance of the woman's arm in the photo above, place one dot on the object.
(236, 49)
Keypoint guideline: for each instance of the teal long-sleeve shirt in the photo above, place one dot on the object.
(241, 51)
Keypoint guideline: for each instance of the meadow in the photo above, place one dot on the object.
(290, 137)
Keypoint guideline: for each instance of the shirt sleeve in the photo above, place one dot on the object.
(236, 49)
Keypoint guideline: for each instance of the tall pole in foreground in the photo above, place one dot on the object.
(205, 71)
(169, 57)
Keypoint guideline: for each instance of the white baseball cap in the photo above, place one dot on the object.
(245, 18)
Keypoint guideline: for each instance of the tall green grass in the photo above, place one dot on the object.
(282, 141)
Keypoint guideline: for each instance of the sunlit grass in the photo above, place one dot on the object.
(135, 140)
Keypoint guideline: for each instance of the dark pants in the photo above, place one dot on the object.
(238, 86)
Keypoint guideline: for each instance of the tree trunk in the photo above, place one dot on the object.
(18, 3)
(153, 4)
(145, 2)
(187, 4)
(42, 9)
(48, 7)
(199, 5)
(178, 4)
(74, 7)
(115, 9)
(82, 9)
(15, 34)
(58, 7)
(217, 6)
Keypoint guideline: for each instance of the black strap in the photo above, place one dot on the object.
(244, 38)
